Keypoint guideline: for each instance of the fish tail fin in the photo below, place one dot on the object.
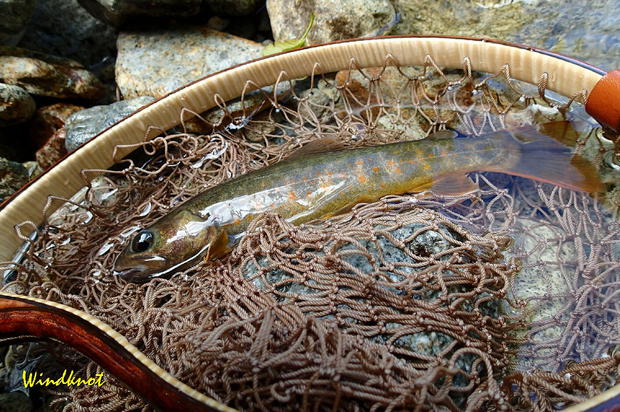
(544, 154)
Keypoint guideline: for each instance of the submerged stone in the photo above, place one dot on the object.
(15, 402)
(577, 29)
(86, 124)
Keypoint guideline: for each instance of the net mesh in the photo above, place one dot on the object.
(505, 298)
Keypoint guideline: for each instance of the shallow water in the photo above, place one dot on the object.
(582, 29)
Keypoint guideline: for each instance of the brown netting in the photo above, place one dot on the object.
(501, 299)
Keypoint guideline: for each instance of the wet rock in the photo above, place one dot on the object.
(48, 120)
(218, 23)
(15, 14)
(156, 63)
(85, 124)
(115, 12)
(334, 20)
(232, 7)
(16, 105)
(33, 168)
(13, 175)
(591, 35)
(15, 402)
(52, 151)
(47, 75)
(85, 39)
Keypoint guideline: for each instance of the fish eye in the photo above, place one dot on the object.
(143, 241)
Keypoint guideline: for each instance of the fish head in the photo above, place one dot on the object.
(173, 243)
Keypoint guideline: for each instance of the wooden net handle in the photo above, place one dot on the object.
(604, 101)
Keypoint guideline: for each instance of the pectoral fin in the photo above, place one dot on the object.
(219, 247)
(453, 185)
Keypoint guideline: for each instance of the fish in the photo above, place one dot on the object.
(319, 185)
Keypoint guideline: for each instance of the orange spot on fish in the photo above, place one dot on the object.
(237, 221)
(391, 163)
(291, 195)
(359, 162)
(399, 170)
(427, 167)
(362, 178)
(375, 169)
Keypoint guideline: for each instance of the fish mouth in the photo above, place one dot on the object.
(140, 269)
(137, 269)
(132, 274)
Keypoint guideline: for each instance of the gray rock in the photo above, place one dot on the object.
(16, 105)
(578, 28)
(334, 20)
(218, 23)
(232, 7)
(15, 402)
(15, 14)
(85, 124)
(84, 39)
(115, 12)
(13, 175)
(47, 75)
(156, 63)
(33, 168)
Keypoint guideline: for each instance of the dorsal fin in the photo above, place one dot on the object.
(322, 145)
(335, 144)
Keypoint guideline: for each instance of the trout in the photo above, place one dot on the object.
(320, 185)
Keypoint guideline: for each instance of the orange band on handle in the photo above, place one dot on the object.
(604, 101)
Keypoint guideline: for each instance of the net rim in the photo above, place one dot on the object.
(568, 77)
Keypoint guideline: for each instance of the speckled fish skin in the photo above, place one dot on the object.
(319, 186)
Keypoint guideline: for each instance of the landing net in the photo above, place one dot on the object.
(506, 298)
